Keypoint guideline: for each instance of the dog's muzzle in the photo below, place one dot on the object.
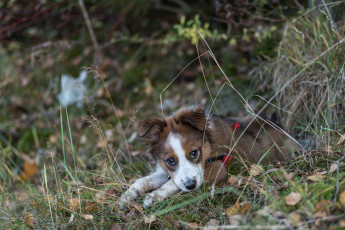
(190, 184)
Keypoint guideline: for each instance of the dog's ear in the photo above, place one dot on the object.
(151, 129)
(192, 117)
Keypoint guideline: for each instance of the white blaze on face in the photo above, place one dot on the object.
(185, 169)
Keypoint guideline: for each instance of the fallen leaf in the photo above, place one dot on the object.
(293, 198)
(256, 170)
(30, 168)
(74, 203)
(233, 210)
(212, 223)
(333, 168)
(233, 180)
(100, 197)
(318, 216)
(276, 179)
(328, 149)
(235, 220)
(190, 225)
(295, 217)
(263, 211)
(342, 198)
(341, 139)
(29, 219)
(101, 143)
(283, 186)
(245, 208)
(322, 205)
(149, 219)
(87, 216)
(289, 176)
(315, 177)
(279, 215)
(71, 218)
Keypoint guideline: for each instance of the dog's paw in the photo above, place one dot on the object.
(128, 196)
(149, 200)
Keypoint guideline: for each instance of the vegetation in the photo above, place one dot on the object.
(66, 167)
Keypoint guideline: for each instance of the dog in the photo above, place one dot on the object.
(192, 147)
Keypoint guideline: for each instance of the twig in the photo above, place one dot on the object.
(88, 24)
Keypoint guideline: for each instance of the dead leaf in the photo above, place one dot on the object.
(322, 205)
(245, 208)
(149, 219)
(190, 225)
(71, 218)
(29, 219)
(315, 177)
(333, 168)
(233, 210)
(101, 143)
(328, 149)
(341, 139)
(233, 180)
(235, 220)
(293, 198)
(283, 186)
(87, 216)
(212, 223)
(100, 197)
(342, 198)
(276, 179)
(295, 218)
(279, 215)
(30, 168)
(318, 216)
(256, 170)
(74, 203)
(289, 176)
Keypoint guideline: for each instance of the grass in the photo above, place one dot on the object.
(87, 159)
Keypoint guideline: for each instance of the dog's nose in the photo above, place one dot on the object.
(190, 184)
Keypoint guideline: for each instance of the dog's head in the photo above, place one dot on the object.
(180, 145)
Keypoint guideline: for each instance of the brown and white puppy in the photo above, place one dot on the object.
(189, 147)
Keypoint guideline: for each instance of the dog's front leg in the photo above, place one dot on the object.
(147, 183)
(167, 190)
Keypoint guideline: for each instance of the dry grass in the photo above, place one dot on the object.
(309, 72)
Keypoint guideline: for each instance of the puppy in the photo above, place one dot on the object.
(191, 148)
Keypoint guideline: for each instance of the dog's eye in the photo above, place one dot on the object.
(171, 162)
(194, 154)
